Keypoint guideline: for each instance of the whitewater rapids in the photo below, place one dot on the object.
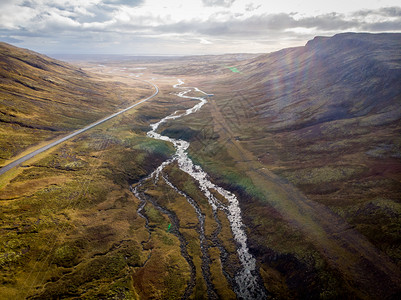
(246, 279)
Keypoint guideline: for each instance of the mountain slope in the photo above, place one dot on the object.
(42, 97)
(346, 76)
(325, 119)
(306, 138)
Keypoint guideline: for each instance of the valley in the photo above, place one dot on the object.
(278, 180)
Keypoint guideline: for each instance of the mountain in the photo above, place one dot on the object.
(42, 98)
(324, 118)
(343, 77)
(335, 101)
(307, 140)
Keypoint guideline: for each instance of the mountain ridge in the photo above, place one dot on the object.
(43, 98)
(320, 63)
(307, 139)
(326, 119)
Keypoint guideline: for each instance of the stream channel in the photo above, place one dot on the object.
(246, 283)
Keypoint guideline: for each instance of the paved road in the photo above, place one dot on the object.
(44, 148)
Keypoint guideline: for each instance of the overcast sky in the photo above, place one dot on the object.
(149, 27)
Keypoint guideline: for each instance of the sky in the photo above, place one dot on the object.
(186, 27)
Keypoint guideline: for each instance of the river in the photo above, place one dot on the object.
(247, 284)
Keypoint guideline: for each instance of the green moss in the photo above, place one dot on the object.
(105, 276)
(120, 289)
(13, 250)
(323, 174)
(180, 132)
(66, 255)
(155, 216)
(174, 281)
(152, 145)
(167, 240)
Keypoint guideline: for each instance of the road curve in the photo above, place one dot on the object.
(63, 139)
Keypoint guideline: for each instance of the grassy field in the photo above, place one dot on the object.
(71, 228)
(320, 200)
(69, 218)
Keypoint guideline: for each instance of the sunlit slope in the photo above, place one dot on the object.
(318, 184)
(41, 97)
(325, 119)
(346, 76)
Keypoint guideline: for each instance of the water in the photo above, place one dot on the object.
(246, 279)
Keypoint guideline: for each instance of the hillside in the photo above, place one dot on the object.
(343, 77)
(313, 134)
(307, 140)
(42, 98)
(326, 119)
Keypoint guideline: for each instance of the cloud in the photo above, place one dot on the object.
(252, 7)
(328, 22)
(9, 39)
(224, 3)
(259, 25)
(58, 17)
(274, 24)
(393, 11)
(98, 24)
(124, 2)
(205, 42)
(383, 26)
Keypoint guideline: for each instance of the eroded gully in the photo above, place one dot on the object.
(245, 284)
